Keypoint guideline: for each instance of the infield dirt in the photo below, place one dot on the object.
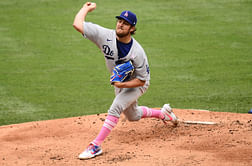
(147, 142)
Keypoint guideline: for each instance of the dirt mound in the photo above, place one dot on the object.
(146, 142)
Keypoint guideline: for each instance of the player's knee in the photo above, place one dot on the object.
(114, 112)
(133, 118)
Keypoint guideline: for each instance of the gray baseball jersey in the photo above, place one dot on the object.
(105, 39)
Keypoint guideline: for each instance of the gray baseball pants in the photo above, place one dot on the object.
(126, 102)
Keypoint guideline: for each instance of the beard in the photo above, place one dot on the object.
(122, 34)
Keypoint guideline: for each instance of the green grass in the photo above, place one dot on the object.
(199, 52)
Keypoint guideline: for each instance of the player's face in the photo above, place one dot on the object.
(123, 28)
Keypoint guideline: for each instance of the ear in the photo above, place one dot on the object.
(132, 28)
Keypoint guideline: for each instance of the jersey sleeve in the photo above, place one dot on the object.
(94, 32)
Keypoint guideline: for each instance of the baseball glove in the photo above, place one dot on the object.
(122, 72)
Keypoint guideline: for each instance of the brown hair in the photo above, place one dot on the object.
(134, 31)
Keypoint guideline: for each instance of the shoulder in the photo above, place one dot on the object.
(95, 32)
(95, 26)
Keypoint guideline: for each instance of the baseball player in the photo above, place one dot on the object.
(118, 47)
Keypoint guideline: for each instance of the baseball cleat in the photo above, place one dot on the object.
(168, 114)
(91, 151)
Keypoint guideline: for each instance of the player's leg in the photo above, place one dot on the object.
(94, 148)
(126, 101)
(122, 100)
(165, 113)
(151, 113)
(134, 112)
(108, 125)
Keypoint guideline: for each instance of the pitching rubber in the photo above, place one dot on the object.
(198, 122)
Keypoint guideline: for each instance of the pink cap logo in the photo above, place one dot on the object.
(126, 14)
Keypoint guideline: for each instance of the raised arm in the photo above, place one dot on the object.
(81, 15)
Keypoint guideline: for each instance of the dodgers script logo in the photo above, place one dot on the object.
(107, 51)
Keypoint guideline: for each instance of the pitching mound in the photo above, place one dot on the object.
(147, 142)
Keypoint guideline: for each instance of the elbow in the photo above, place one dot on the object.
(142, 82)
(78, 27)
(74, 25)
